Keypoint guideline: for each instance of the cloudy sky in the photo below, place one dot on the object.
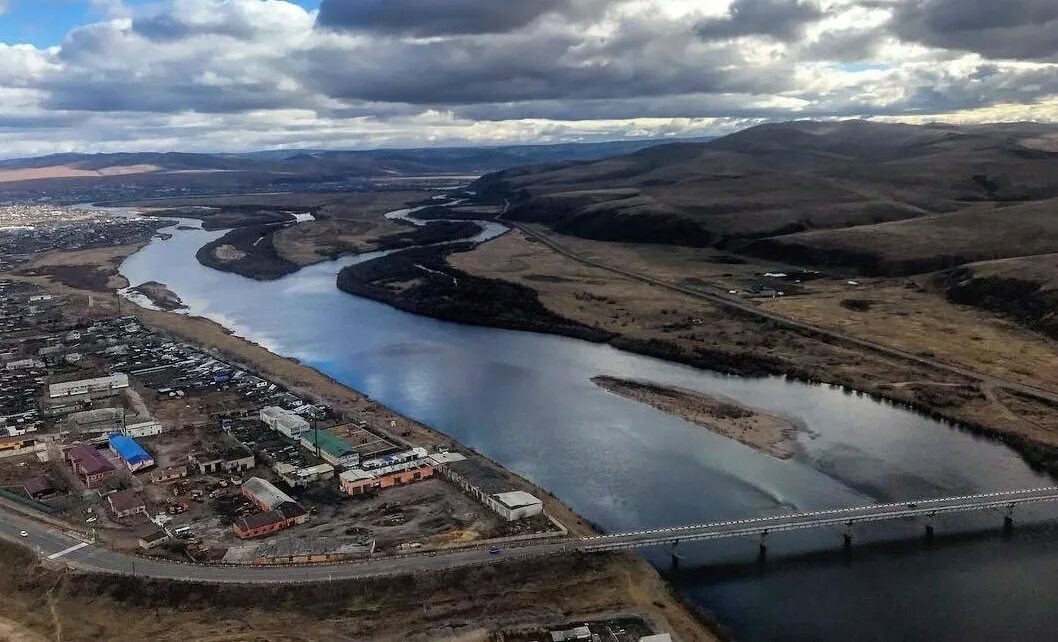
(234, 75)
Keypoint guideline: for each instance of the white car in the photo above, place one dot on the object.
(23, 534)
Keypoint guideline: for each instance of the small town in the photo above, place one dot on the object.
(149, 444)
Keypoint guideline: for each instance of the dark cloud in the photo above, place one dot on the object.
(1021, 29)
(638, 61)
(170, 27)
(780, 19)
(166, 95)
(436, 17)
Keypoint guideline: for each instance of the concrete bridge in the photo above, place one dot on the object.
(53, 541)
(1003, 502)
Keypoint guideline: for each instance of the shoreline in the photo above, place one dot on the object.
(647, 591)
(761, 431)
(457, 304)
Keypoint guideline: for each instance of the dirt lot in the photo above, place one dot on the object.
(430, 512)
(15, 470)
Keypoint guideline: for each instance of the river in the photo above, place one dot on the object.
(527, 401)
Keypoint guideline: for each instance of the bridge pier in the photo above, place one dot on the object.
(847, 537)
(1008, 520)
(929, 528)
(674, 554)
(762, 551)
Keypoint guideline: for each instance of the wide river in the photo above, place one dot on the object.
(527, 401)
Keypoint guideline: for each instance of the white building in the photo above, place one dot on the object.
(116, 381)
(144, 429)
(517, 504)
(284, 421)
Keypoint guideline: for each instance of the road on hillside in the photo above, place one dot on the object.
(721, 297)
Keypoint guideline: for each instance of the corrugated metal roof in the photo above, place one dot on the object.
(265, 492)
(128, 449)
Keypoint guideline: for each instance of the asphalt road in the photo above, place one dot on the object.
(51, 542)
(721, 297)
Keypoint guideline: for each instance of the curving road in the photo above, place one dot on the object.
(51, 542)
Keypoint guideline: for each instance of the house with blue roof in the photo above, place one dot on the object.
(130, 452)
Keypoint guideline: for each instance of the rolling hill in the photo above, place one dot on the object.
(777, 180)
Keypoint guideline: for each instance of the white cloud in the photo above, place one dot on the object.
(246, 74)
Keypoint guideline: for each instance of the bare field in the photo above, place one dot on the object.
(924, 322)
(639, 311)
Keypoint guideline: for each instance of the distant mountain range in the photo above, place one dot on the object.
(303, 165)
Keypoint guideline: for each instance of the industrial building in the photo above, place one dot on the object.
(357, 481)
(264, 493)
(284, 421)
(102, 421)
(279, 510)
(489, 487)
(98, 385)
(130, 452)
(125, 503)
(90, 465)
(273, 521)
(384, 472)
(516, 504)
(227, 456)
(299, 477)
(331, 448)
(169, 474)
(143, 429)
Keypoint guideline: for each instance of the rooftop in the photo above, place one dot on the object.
(128, 449)
(484, 479)
(125, 500)
(517, 499)
(329, 443)
(265, 492)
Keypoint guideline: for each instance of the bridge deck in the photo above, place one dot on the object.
(817, 519)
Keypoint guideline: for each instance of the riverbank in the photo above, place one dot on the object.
(620, 583)
(419, 280)
(658, 322)
(761, 431)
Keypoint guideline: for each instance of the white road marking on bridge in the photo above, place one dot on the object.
(67, 551)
